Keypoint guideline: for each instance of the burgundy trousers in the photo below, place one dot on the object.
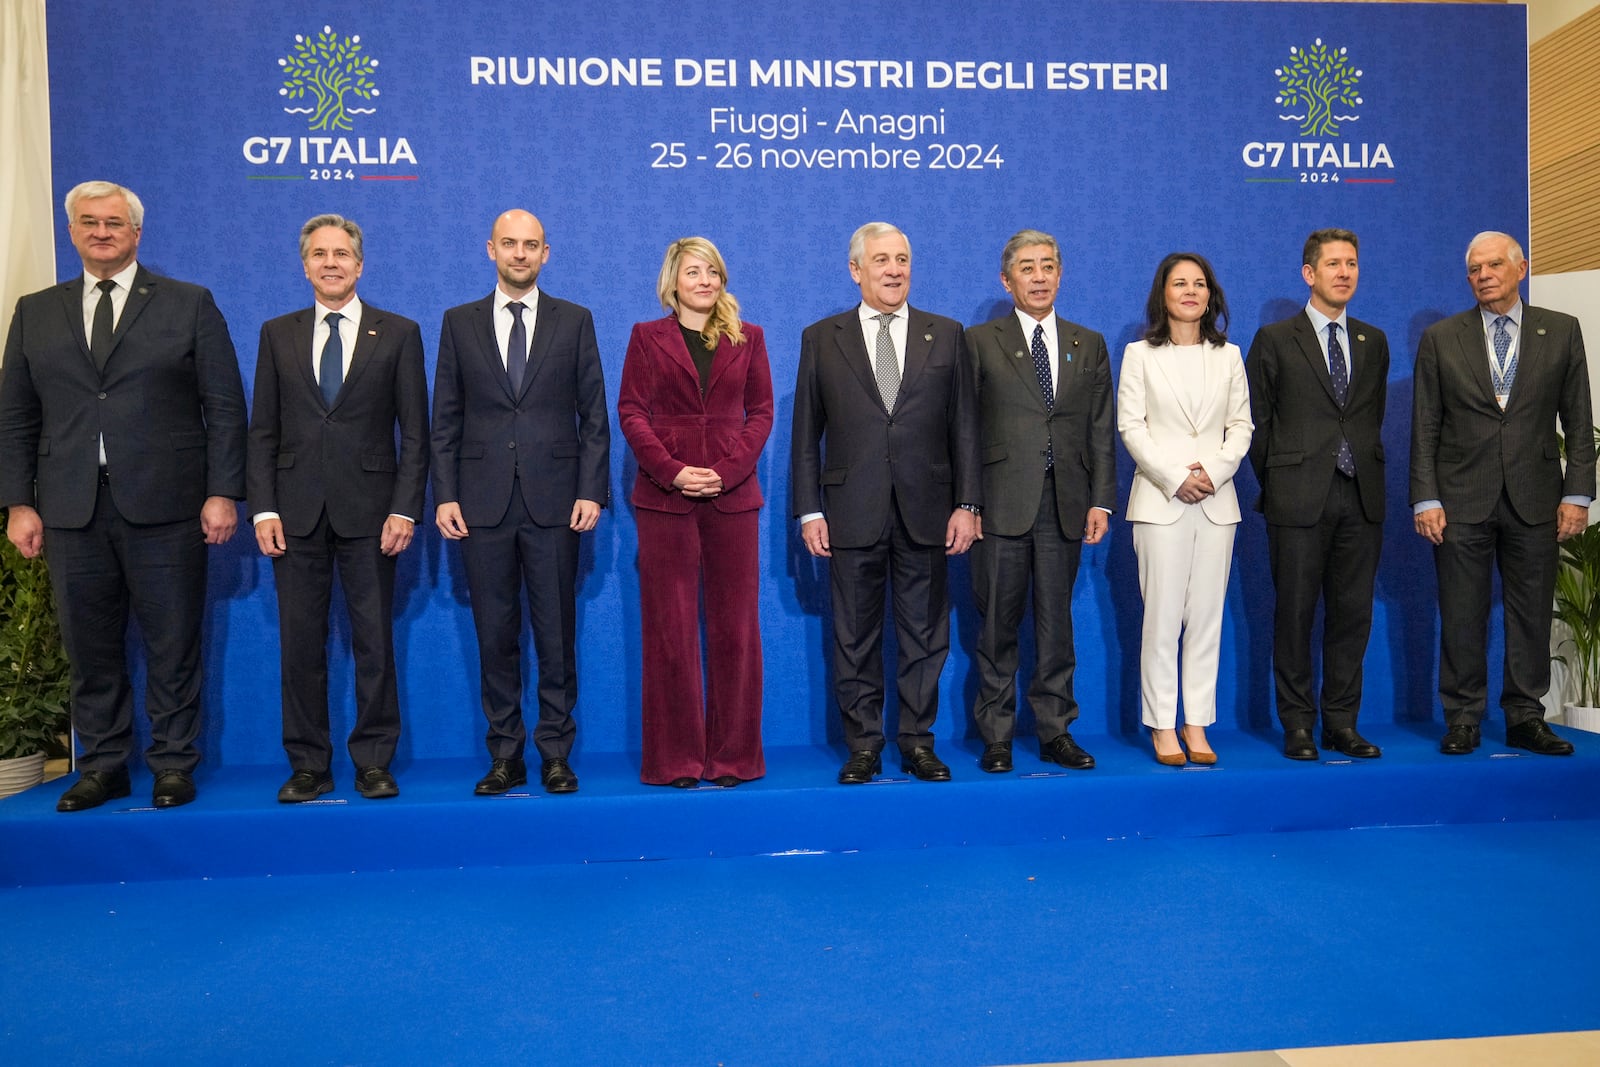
(694, 729)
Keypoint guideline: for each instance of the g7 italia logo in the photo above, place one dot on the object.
(330, 81)
(1318, 90)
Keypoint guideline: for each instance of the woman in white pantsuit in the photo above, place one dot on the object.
(1183, 410)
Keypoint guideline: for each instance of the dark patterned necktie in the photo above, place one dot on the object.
(517, 346)
(1505, 373)
(1341, 392)
(884, 366)
(1041, 369)
(331, 370)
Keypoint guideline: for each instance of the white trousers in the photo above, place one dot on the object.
(1183, 578)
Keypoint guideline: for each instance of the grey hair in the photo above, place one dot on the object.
(337, 221)
(1489, 235)
(1022, 239)
(858, 240)
(97, 190)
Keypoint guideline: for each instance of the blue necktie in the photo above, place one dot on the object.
(1041, 369)
(1502, 345)
(1341, 392)
(331, 369)
(516, 347)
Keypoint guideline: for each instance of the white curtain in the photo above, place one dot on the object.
(27, 242)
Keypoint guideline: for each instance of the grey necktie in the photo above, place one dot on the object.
(100, 328)
(884, 365)
(331, 369)
(1341, 392)
(517, 346)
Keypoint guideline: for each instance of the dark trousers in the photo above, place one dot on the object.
(501, 562)
(1335, 561)
(690, 732)
(1004, 569)
(99, 573)
(916, 576)
(1527, 558)
(304, 577)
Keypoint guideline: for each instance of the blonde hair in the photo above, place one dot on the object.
(724, 317)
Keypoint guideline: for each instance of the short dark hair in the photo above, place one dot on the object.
(1318, 238)
(1213, 324)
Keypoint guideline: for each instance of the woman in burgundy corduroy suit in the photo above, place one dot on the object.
(696, 408)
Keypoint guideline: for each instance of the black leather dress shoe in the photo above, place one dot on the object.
(305, 785)
(996, 758)
(173, 789)
(860, 767)
(1345, 739)
(375, 783)
(1536, 736)
(557, 777)
(921, 762)
(726, 781)
(94, 788)
(504, 775)
(1064, 750)
(1460, 740)
(1297, 744)
(684, 783)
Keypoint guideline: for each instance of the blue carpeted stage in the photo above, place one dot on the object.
(1040, 916)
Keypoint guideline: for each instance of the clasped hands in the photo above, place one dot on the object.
(698, 483)
(1197, 486)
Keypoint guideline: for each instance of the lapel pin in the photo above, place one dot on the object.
(1017, 354)
(1361, 337)
(372, 333)
(1540, 331)
(1074, 342)
(927, 337)
(145, 290)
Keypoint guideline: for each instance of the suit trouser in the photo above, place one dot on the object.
(1003, 570)
(690, 732)
(501, 561)
(1183, 578)
(916, 576)
(1334, 560)
(304, 577)
(98, 573)
(1527, 557)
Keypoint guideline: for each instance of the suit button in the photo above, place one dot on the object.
(511, 444)
(100, 396)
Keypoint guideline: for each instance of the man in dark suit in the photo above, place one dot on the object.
(521, 458)
(894, 490)
(1318, 387)
(1487, 487)
(328, 488)
(121, 422)
(1049, 484)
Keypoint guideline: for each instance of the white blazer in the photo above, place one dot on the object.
(1164, 433)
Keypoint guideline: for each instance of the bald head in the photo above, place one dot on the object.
(518, 248)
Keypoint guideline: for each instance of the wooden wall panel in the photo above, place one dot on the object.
(1564, 147)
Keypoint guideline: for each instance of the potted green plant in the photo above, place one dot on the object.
(1577, 610)
(34, 687)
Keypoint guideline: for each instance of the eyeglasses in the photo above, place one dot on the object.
(89, 222)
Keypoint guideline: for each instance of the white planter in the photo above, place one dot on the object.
(1581, 718)
(25, 772)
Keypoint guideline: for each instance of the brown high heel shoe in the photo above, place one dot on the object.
(1203, 756)
(1168, 759)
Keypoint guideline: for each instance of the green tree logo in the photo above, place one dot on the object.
(327, 68)
(1319, 80)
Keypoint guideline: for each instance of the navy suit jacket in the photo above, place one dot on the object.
(1295, 450)
(306, 456)
(169, 404)
(852, 460)
(552, 437)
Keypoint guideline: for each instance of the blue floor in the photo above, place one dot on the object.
(1045, 915)
(978, 955)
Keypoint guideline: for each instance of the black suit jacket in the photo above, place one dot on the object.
(169, 404)
(554, 434)
(1081, 428)
(1299, 424)
(851, 460)
(305, 456)
(1465, 450)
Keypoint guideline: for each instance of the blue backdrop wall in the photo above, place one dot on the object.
(1126, 129)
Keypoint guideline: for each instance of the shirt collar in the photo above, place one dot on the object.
(1028, 322)
(501, 299)
(1319, 322)
(1515, 315)
(351, 311)
(869, 317)
(123, 278)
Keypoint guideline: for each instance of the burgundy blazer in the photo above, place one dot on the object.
(669, 425)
